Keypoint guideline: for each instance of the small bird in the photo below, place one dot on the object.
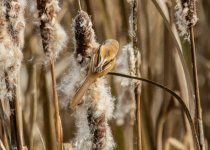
(101, 63)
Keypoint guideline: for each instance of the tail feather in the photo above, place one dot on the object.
(77, 98)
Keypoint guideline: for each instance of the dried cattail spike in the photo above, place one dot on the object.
(16, 22)
(12, 27)
(84, 36)
(53, 36)
(185, 13)
(191, 16)
(98, 130)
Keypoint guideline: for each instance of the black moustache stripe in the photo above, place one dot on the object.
(107, 63)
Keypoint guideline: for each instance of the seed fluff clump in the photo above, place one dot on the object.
(186, 17)
(12, 25)
(54, 37)
(125, 106)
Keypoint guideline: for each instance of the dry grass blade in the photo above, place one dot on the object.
(34, 107)
(5, 126)
(40, 135)
(58, 125)
(171, 142)
(161, 7)
(2, 145)
(199, 120)
(79, 4)
(133, 36)
(15, 137)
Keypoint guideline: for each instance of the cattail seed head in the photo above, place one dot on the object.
(12, 25)
(185, 14)
(190, 8)
(53, 35)
(84, 36)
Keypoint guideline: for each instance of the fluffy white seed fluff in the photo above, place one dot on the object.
(59, 41)
(102, 99)
(71, 81)
(99, 98)
(181, 13)
(125, 100)
(53, 35)
(11, 43)
(3, 90)
(105, 105)
(126, 64)
(83, 137)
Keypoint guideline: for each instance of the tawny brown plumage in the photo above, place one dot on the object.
(102, 62)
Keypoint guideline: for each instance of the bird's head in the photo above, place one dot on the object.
(104, 58)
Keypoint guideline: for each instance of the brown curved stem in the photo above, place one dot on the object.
(177, 97)
(198, 119)
(58, 126)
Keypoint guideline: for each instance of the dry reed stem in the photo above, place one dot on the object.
(58, 126)
(79, 4)
(34, 106)
(47, 13)
(19, 114)
(42, 141)
(5, 126)
(15, 137)
(133, 35)
(191, 19)
(199, 120)
(138, 115)
(5, 139)
(173, 143)
(48, 109)
(2, 145)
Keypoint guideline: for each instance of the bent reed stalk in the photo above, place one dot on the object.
(177, 97)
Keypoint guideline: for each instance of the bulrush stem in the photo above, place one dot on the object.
(58, 126)
(138, 116)
(34, 106)
(18, 113)
(134, 40)
(79, 5)
(198, 119)
(15, 137)
(5, 125)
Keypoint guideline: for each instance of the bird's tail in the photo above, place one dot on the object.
(77, 98)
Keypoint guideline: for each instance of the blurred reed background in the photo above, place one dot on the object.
(164, 125)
